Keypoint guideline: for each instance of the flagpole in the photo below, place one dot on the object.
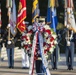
(9, 6)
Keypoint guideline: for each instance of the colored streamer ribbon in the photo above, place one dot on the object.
(33, 54)
(38, 29)
(45, 63)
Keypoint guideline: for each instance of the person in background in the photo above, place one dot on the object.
(55, 55)
(25, 57)
(69, 49)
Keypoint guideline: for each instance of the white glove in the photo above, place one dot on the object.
(8, 25)
(68, 43)
(9, 42)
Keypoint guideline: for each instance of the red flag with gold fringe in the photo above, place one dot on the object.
(21, 16)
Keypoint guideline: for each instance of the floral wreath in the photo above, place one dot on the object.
(49, 38)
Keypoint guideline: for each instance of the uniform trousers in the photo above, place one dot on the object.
(25, 59)
(10, 55)
(39, 67)
(70, 55)
(54, 57)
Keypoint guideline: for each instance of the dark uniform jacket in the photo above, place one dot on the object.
(6, 41)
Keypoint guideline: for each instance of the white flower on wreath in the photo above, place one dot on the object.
(51, 50)
(45, 35)
(55, 42)
(45, 47)
(46, 27)
(28, 35)
(48, 41)
(54, 35)
(52, 42)
(30, 27)
(28, 41)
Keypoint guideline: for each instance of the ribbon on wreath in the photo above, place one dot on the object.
(44, 61)
(31, 69)
(38, 29)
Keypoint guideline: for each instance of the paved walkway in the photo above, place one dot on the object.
(62, 69)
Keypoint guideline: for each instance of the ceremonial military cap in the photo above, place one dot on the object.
(41, 19)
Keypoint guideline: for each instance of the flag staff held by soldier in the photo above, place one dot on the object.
(9, 6)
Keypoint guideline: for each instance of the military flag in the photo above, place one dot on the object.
(69, 21)
(21, 16)
(35, 10)
(13, 18)
(54, 19)
(51, 14)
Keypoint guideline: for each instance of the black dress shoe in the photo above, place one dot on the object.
(68, 68)
(71, 68)
(54, 68)
(12, 67)
(25, 67)
(9, 67)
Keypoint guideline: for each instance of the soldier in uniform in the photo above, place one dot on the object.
(10, 44)
(69, 49)
(54, 57)
(55, 54)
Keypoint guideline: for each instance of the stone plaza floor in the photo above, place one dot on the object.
(62, 68)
